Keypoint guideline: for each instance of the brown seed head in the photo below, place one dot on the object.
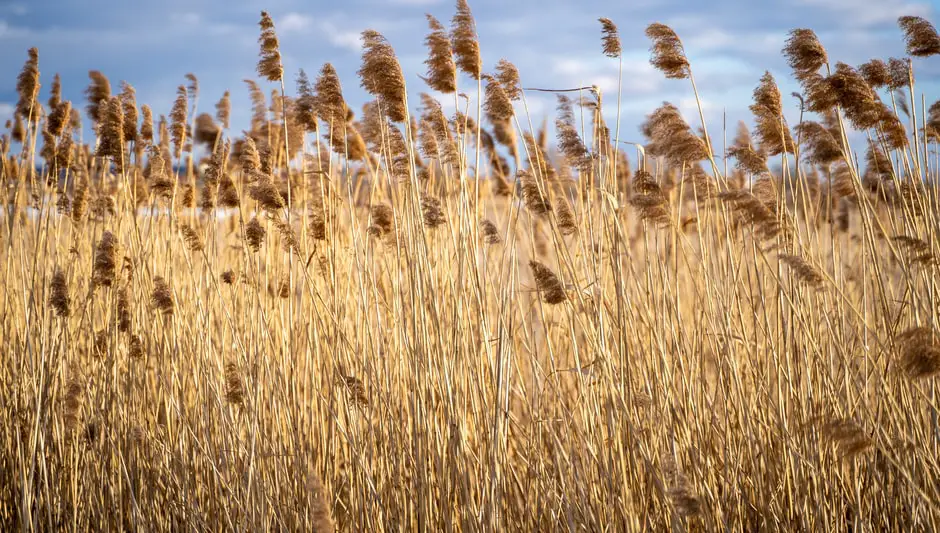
(59, 118)
(330, 102)
(207, 132)
(129, 108)
(146, 127)
(254, 234)
(59, 297)
(162, 297)
(803, 270)
(496, 102)
(105, 260)
(919, 352)
(305, 106)
(463, 37)
(234, 386)
(223, 110)
(508, 77)
(383, 220)
(27, 86)
(178, 121)
(920, 36)
(55, 92)
(610, 38)
(534, 196)
(111, 132)
(382, 76)
(431, 212)
(269, 58)
(547, 283)
(489, 232)
(804, 53)
(668, 54)
(97, 92)
(442, 70)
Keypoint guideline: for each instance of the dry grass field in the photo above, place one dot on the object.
(397, 317)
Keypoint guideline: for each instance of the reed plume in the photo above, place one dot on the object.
(803, 270)
(98, 91)
(223, 110)
(162, 297)
(146, 126)
(919, 352)
(567, 223)
(381, 75)
(489, 232)
(649, 200)
(330, 102)
(74, 396)
(105, 260)
(431, 212)
(111, 133)
(463, 37)
(59, 297)
(382, 220)
(269, 58)
(748, 209)
(207, 132)
(305, 106)
(266, 193)
(667, 52)
(191, 237)
(569, 142)
(254, 234)
(820, 144)
(671, 137)
(59, 118)
(610, 38)
(135, 348)
(772, 134)
(27, 87)
(547, 283)
(441, 69)
(496, 102)
(55, 92)
(234, 385)
(804, 53)
(123, 310)
(920, 36)
(533, 196)
(916, 251)
(858, 100)
(129, 109)
(178, 121)
(747, 158)
(433, 115)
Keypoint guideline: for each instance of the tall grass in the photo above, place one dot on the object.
(403, 320)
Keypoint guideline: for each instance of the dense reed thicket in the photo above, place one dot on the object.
(406, 318)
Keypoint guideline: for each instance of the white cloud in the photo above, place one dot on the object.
(639, 77)
(866, 13)
(341, 38)
(294, 22)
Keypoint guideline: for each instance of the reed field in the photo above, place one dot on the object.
(398, 317)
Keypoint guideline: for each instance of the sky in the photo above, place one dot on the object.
(553, 43)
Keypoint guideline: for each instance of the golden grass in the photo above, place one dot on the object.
(351, 333)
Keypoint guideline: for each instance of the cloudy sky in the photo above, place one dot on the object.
(555, 44)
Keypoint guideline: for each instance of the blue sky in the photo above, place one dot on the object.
(152, 45)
